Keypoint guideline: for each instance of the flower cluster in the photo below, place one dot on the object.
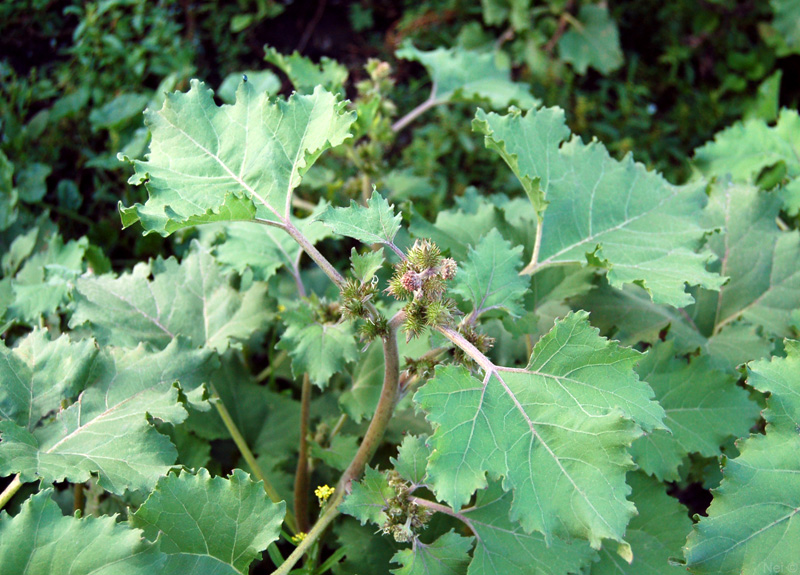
(355, 297)
(323, 493)
(404, 517)
(480, 340)
(421, 278)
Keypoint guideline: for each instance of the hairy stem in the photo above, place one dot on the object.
(473, 352)
(384, 410)
(314, 254)
(439, 508)
(301, 477)
(372, 438)
(417, 112)
(10, 490)
(331, 511)
(244, 449)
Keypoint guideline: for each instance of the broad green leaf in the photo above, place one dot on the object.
(317, 347)
(752, 522)
(412, 458)
(760, 259)
(39, 374)
(32, 182)
(502, 546)
(193, 299)
(787, 22)
(43, 285)
(490, 279)
(360, 400)
(230, 519)
(204, 157)
(376, 223)
(8, 195)
(558, 431)
(41, 541)
(365, 552)
(496, 12)
(656, 534)
(266, 249)
(459, 74)
(368, 498)
(746, 148)
(261, 80)
(339, 453)
(119, 111)
(592, 41)
(780, 377)
(611, 213)
(448, 555)
(304, 74)
(630, 316)
(366, 265)
(704, 407)
(457, 228)
(108, 430)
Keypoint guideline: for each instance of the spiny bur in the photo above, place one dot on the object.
(422, 278)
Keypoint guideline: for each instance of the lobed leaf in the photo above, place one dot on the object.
(376, 223)
(761, 260)
(108, 430)
(752, 524)
(368, 498)
(557, 431)
(228, 519)
(191, 298)
(458, 73)
(703, 407)
(318, 348)
(746, 148)
(39, 374)
(448, 555)
(593, 41)
(656, 534)
(207, 162)
(502, 546)
(489, 279)
(613, 214)
(39, 540)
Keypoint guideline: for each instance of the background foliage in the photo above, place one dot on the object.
(179, 347)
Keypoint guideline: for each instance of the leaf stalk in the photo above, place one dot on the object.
(244, 449)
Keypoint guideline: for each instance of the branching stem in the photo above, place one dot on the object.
(314, 254)
(301, 476)
(418, 111)
(372, 438)
(10, 490)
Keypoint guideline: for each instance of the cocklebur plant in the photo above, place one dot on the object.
(546, 453)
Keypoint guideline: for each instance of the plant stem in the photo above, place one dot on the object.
(473, 352)
(416, 112)
(331, 511)
(301, 476)
(384, 410)
(372, 438)
(338, 427)
(439, 508)
(314, 254)
(79, 499)
(240, 442)
(10, 490)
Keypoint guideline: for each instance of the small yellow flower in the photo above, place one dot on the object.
(323, 492)
(296, 539)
